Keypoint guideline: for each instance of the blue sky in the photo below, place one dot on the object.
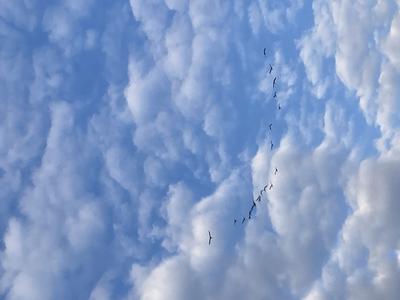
(129, 129)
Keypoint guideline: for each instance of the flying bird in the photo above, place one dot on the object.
(252, 208)
(273, 82)
(279, 106)
(271, 186)
(265, 188)
(244, 219)
(209, 238)
(270, 69)
(276, 171)
(234, 221)
(274, 94)
(258, 198)
(270, 126)
(272, 145)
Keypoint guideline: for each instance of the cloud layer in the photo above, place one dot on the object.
(131, 129)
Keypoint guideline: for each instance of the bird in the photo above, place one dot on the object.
(261, 192)
(234, 221)
(271, 186)
(252, 208)
(258, 198)
(276, 171)
(272, 145)
(270, 69)
(273, 82)
(209, 238)
(265, 188)
(274, 94)
(270, 126)
(279, 106)
(244, 219)
(265, 51)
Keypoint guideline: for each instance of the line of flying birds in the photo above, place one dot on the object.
(267, 186)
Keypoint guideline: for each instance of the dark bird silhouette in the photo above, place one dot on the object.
(265, 51)
(270, 126)
(265, 188)
(274, 94)
(271, 186)
(276, 171)
(234, 221)
(270, 69)
(279, 106)
(258, 198)
(273, 82)
(209, 238)
(244, 219)
(252, 208)
(272, 145)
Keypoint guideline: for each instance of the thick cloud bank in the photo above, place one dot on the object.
(130, 129)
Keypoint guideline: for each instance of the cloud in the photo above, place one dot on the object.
(19, 14)
(359, 49)
(61, 220)
(133, 128)
(364, 262)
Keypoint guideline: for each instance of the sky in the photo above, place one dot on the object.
(129, 129)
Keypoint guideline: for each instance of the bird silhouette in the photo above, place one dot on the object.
(265, 188)
(234, 221)
(271, 186)
(272, 145)
(274, 94)
(265, 51)
(270, 126)
(273, 83)
(244, 219)
(252, 208)
(209, 238)
(279, 106)
(276, 171)
(270, 69)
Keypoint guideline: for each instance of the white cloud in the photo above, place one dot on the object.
(131, 130)
(391, 44)
(317, 45)
(357, 35)
(365, 255)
